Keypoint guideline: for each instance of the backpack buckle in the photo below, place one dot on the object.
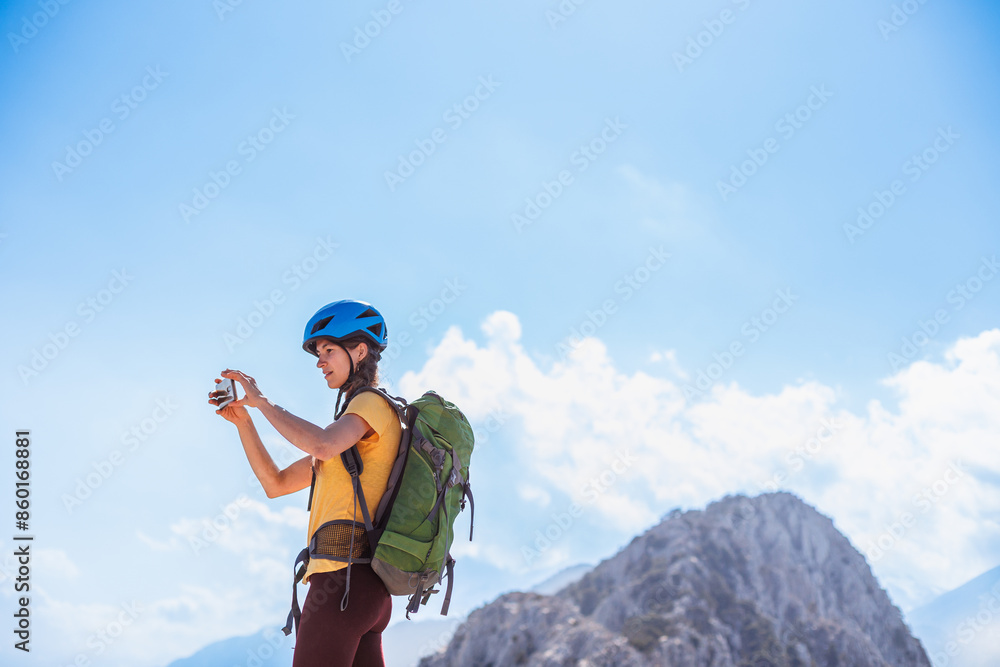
(427, 595)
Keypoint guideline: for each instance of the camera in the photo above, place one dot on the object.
(225, 392)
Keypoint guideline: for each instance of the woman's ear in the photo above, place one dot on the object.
(364, 352)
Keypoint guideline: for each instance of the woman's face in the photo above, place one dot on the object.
(334, 363)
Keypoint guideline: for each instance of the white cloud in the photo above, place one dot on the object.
(244, 527)
(534, 494)
(55, 563)
(293, 517)
(138, 632)
(244, 542)
(622, 449)
(863, 470)
(669, 357)
(171, 544)
(664, 207)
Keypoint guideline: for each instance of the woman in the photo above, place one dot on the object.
(347, 337)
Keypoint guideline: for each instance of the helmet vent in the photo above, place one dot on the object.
(321, 324)
(376, 329)
(371, 312)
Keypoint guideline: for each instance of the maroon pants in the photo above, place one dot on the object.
(328, 637)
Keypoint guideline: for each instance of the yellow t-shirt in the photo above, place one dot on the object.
(333, 497)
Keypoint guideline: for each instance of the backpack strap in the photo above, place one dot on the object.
(407, 415)
(455, 478)
(295, 614)
(351, 459)
(420, 595)
(312, 487)
(354, 466)
(398, 404)
(392, 484)
(467, 493)
(451, 580)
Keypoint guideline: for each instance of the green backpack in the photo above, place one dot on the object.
(408, 541)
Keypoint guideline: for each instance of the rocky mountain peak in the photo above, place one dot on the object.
(745, 582)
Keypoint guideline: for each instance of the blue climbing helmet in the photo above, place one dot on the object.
(340, 321)
(345, 319)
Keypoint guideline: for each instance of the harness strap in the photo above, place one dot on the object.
(350, 549)
(354, 466)
(295, 614)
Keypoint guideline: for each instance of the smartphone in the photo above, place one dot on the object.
(229, 387)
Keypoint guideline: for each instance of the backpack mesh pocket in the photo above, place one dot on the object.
(332, 541)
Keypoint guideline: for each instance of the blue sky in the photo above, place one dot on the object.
(311, 218)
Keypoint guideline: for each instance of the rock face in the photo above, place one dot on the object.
(747, 582)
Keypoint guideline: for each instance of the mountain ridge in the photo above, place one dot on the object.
(961, 627)
(746, 581)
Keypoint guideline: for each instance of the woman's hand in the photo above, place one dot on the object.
(233, 413)
(237, 415)
(253, 397)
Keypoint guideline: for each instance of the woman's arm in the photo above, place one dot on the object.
(322, 443)
(274, 481)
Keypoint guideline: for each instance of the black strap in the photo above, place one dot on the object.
(347, 584)
(437, 505)
(338, 412)
(295, 614)
(398, 404)
(312, 487)
(354, 466)
(451, 580)
(351, 459)
(414, 605)
(350, 548)
(467, 491)
(347, 382)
